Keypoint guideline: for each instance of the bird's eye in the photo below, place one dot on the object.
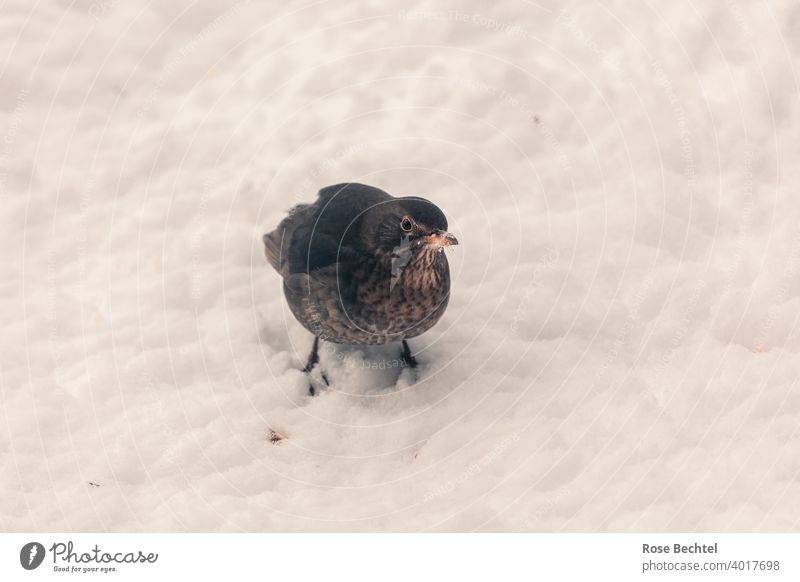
(406, 224)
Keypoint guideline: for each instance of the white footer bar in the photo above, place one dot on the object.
(389, 557)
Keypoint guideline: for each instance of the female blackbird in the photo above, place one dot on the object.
(360, 266)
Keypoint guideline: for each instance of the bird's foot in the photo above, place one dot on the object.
(407, 359)
(409, 362)
(313, 360)
(313, 389)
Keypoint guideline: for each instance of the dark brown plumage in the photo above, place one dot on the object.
(362, 267)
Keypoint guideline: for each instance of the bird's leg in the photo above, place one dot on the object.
(313, 357)
(313, 360)
(406, 357)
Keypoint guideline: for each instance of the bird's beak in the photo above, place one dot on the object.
(440, 239)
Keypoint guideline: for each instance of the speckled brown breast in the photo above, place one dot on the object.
(363, 306)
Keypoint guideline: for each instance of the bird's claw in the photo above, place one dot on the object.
(312, 389)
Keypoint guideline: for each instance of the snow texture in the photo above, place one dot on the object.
(621, 347)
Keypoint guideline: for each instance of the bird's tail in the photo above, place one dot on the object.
(276, 243)
(273, 241)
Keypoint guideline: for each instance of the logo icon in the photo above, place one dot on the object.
(31, 555)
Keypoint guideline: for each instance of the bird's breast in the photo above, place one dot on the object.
(406, 295)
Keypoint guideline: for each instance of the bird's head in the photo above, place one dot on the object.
(412, 224)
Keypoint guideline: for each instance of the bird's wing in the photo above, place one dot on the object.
(334, 278)
(317, 250)
(325, 277)
(324, 233)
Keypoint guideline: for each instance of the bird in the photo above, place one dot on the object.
(362, 267)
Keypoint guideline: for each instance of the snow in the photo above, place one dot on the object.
(621, 347)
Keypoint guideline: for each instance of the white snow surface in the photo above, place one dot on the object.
(621, 348)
